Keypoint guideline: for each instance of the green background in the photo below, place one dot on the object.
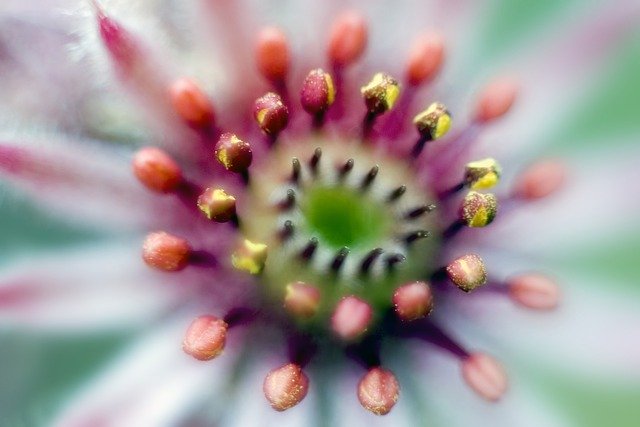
(40, 371)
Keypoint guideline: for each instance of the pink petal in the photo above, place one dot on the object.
(83, 289)
(153, 383)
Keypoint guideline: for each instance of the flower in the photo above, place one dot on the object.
(286, 207)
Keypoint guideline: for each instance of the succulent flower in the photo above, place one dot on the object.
(303, 205)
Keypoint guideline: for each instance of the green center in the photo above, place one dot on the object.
(341, 216)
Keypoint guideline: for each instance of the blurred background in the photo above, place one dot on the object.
(39, 371)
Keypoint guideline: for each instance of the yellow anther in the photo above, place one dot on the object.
(482, 174)
(250, 257)
(434, 122)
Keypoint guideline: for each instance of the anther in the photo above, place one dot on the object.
(415, 236)
(309, 250)
(250, 257)
(318, 92)
(534, 291)
(495, 100)
(485, 375)
(540, 180)
(482, 174)
(347, 39)
(393, 260)
(346, 168)
(233, 153)
(380, 94)
(302, 300)
(289, 202)
(419, 211)
(370, 259)
(478, 209)
(205, 338)
(271, 113)
(413, 301)
(370, 177)
(295, 171)
(285, 387)
(397, 193)
(467, 272)
(156, 170)
(272, 54)
(314, 161)
(425, 59)
(339, 259)
(287, 230)
(166, 252)
(191, 103)
(351, 318)
(217, 205)
(378, 391)
(432, 124)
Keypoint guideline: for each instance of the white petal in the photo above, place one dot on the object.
(152, 384)
(83, 289)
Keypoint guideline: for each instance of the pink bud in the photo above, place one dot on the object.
(540, 180)
(233, 153)
(285, 387)
(117, 40)
(347, 39)
(496, 99)
(467, 272)
(191, 103)
(318, 92)
(272, 54)
(485, 376)
(166, 252)
(351, 318)
(271, 113)
(413, 301)
(534, 291)
(302, 300)
(205, 337)
(378, 391)
(156, 170)
(425, 58)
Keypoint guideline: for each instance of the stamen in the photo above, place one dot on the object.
(289, 202)
(425, 59)
(347, 39)
(368, 261)
(234, 154)
(287, 230)
(351, 318)
(416, 235)
(309, 250)
(419, 211)
(317, 94)
(482, 174)
(378, 391)
(295, 171)
(495, 100)
(285, 387)
(205, 338)
(540, 180)
(302, 300)
(217, 205)
(478, 209)
(346, 168)
(432, 124)
(467, 272)
(534, 291)
(380, 94)
(272, 54)
(339, 259)
(166, 252)
(271, 114)
(413, 301)
(485, 376)
(315, 161)
(397, 193)
(191, 103)
(370, 177)
(250, 257)
(156, 170)
(394, 259)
